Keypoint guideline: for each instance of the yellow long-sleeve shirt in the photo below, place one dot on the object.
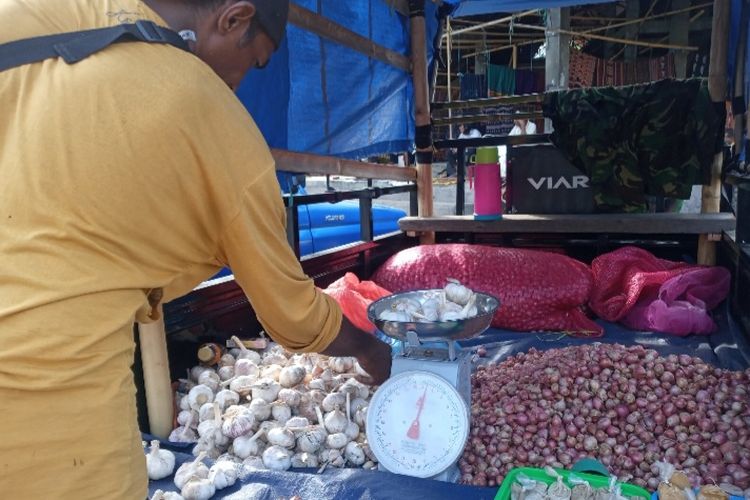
(132, 170)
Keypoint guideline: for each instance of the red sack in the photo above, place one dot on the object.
(537, 290)
(645, 293)
(354, 297)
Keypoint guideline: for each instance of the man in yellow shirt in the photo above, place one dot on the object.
(133, 170)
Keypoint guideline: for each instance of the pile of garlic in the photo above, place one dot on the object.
(454, 302)
(270, 410)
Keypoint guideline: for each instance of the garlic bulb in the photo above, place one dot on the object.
(360, 417)
(291, 397)
(291, 376)
(357, 404)
(268, 425)
(281, 412)
(166, 495)
(223, 474)
(238, 421)
(183, 434)
(241, 384)
(247, 368)
(185, 402)
(311, 439)
(246, 446)
(159, 463)
(245, 353)
(261, 409)
(226, 372)
(400, 316)
(430, 308)
(227, 398)
(200, 395)
(336, 441)
(196, 371)
(341, 365)
(188, 470)
(227, 360)
(211, 429)
(271, 372)
(187, 417)
(354, 453)
(456, 292)
(206, 412)
(332, 457)
(357, 390)
(280, 436)
(335, 421)
(208, 447)
(277, 458)
(333, 401)
(317, 384)
(249, 466)
(274, 358)
(369, 465)
(210, 379)
(351, 430)
(198, 489)
(266, 389)
(297, 423)
(300, 460)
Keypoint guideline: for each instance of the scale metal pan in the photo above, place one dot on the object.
(436, 331)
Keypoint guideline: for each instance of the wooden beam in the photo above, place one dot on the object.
(717, 87)
(612, 39)
(479, 118)
(491, 101)
(305, 163)
(324, 27)
(659, 223)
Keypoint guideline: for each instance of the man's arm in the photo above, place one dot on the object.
(373, 355)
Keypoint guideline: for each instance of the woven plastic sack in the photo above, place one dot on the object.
(354, 297)
(537, 290)
(631, 285)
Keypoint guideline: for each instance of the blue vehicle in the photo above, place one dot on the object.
(323, 226)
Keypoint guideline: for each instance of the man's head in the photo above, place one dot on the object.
(232, 36)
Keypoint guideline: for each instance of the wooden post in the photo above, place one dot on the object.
(558, 54)
(679, 33)
(421, 115)
(449, 50)
(739, 86)
(514, 57)
(632, 11)
(717, 87)
(155, 362)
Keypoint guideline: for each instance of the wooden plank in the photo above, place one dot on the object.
(491, 101)
(717, 87)
(661, 223)
(306, 163)
(156, 379)
(324, 27)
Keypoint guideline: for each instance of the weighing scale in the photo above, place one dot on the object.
(418, 420)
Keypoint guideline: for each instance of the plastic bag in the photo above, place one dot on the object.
(581, 488)
(526, 488)
(354, 297)
(557, 490)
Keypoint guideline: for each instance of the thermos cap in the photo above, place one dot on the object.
(487, 155)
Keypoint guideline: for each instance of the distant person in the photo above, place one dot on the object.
(522, 126)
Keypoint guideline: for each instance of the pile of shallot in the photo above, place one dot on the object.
(270, 410)
(628, 407)
(453, 303)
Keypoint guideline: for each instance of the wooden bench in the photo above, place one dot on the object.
(659, 223)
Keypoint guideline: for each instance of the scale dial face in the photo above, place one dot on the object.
(417, 424)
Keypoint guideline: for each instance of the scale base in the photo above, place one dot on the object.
(449, 475)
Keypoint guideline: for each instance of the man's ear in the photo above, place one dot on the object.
(235, 17)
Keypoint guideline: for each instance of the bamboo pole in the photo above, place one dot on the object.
(739, 87)
(717, 87)
(307, 163)
(494, 23)
(156, 379)
(449, 46)
(610, 38)
(421, 117)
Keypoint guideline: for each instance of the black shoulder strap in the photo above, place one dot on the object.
(78, 45)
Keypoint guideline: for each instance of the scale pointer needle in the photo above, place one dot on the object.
(413, 432)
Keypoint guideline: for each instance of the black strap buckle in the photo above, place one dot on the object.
(150, 31)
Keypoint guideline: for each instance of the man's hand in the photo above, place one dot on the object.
(373, 355)
(376, 361)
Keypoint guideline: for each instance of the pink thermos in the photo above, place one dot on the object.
(487, 185)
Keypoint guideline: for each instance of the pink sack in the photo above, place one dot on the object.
(537, 290)
(645, 293)
(682, 304)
